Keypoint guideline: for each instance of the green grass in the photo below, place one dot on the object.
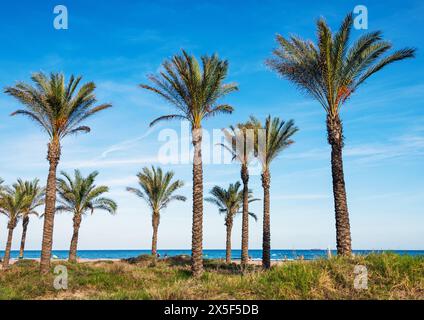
(390, 276)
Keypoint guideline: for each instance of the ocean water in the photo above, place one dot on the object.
(277, 254)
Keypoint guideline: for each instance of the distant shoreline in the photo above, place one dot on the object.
(277, 255)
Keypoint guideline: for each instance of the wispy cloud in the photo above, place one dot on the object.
(408, 145)
(405, 146)
(126, 144)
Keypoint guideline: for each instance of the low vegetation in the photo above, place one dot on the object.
(390, 276)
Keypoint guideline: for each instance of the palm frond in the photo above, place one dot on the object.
(272, 137)
(332, 69)
(193, 89)
(157, 188)
(167, 118)
(228, 201)
(57, 107)
(80, 195)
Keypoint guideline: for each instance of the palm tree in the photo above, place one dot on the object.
(271, 139)
(34, 197)
(229, 202)
(12, 204)
(194, 91)
(330, 71)
(59, 109)
(157, 189)
(79, 195)
(241, 141)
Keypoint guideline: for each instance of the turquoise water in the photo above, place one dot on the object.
(277, 254)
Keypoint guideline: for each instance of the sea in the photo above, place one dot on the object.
(276, 254)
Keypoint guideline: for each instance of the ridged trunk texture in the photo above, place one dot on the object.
(10, 227)
(266, 240)
(25, 222)
(245, 217)
(53, 157)
(155, 225)
(74, 242)
(335, 139)
(197, 227)
(229, 226)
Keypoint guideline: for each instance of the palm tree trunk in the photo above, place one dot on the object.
(335, 139)
(245, 217)
(53, 157)
(25, 222)
(74, 241)
(229, 225)
(197, 228)
(155, 224)
(266, 241)
(8, 247)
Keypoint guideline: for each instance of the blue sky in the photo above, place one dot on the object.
(118, 43)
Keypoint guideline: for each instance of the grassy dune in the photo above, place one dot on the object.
(390, 276)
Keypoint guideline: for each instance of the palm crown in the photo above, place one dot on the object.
(229, 201)
(272, 138)
(331, 70)
(34, 195)
(240, 139)
(12, 204)
(80, 195)
(192, 89)
(57, 107)
(157, 188)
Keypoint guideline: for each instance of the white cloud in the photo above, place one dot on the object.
(126, 144)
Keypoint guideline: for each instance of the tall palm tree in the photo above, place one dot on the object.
(12, 203)
(330, 71)
(157, 189)
(194, 91)
(79, 195)
(241, 145)
(229, 202)
(59, 109)
(271, 139)
(34, 197)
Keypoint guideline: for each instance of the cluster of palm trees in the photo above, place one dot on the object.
(19, 202)
(78, 195)
(229, 202)
(59, 109)
(330, 71)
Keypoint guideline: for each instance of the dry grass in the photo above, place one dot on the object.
(390, 276)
